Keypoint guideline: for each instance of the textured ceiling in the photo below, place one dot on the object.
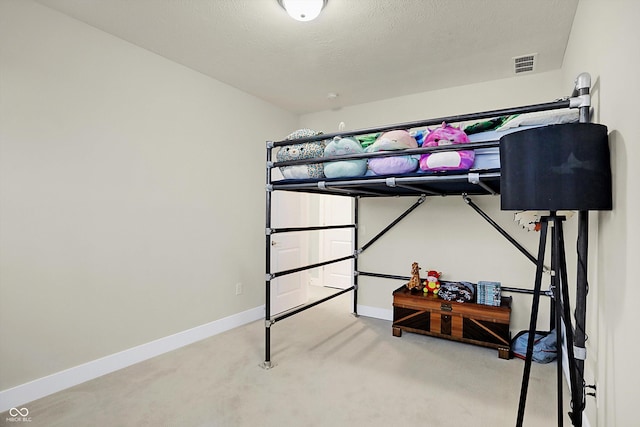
(363, 50)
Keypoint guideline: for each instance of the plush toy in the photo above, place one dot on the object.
(456, 291)
(305, 150)
(344, 168)
(414, 283)
(446, 160)
(530, 220)
(432, 284)
(392, 141)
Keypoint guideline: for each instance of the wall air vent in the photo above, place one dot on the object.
(524, 63)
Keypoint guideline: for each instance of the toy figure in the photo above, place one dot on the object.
(415, 277)
(432, 284)
(530, 220)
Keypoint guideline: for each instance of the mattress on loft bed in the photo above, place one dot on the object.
(490, 157)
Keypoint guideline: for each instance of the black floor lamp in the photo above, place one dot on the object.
(556, 168)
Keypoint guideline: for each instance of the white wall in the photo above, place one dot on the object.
(604, 41)
(444, 233)
(127, 211)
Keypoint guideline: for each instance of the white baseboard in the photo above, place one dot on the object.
(28, 392)
(375, 312)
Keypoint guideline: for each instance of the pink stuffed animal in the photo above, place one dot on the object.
(446, 160)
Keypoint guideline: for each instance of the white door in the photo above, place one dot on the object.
(288, 251)
(337, 210)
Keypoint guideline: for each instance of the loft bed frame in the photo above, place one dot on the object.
(460, 183)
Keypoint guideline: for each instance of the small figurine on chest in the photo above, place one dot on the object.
(432, 284)
(414, 282)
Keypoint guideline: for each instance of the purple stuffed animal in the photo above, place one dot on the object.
(446, 160)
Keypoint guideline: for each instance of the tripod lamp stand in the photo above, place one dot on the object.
(557, 168)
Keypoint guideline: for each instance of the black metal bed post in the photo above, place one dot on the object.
(565, 313)
(356, 212)
(583, 85)
(267, 299)
(582, 288)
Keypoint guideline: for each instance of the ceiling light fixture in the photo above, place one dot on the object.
(303, 10)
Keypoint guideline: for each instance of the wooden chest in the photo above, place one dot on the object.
(465, 322)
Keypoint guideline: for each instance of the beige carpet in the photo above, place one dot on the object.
(332, 369)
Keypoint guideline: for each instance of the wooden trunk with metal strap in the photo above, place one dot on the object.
(484, 325)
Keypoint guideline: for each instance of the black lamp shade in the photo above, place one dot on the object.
(557, 167)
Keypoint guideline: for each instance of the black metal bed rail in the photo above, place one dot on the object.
(487, 188)
(356, 216)
(500, 230)
(417, 189)
(503, 232)
(312, 228)
(393, 223)
(397, 181)
(309, 267)
(346, 190)
(555, 105)
(304, 307)
(548, 293)
(383, 276)
(393, 153)
(485, 182)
